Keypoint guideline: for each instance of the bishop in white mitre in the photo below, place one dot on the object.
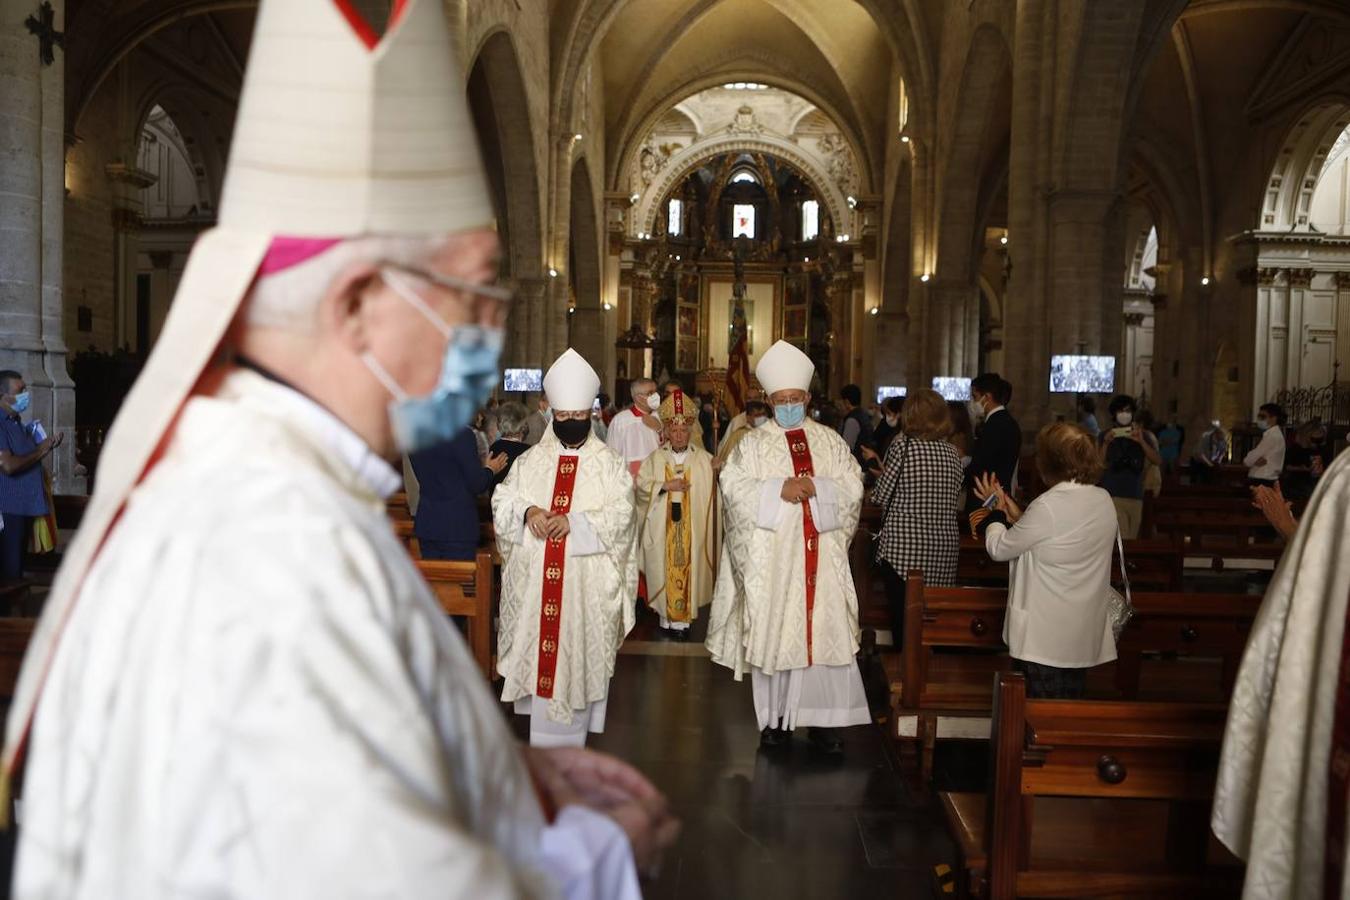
(566, 533)
(635, 432)
(680, 520)
(784, 607)
(240, 685)
(1281, 802)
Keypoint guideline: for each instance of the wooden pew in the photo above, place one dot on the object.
(933, 687)
(1155, 565)
(1202, 625)
(1219, 530)
(403, 529)
(1110, 757)
(464, 589)
(936, 691)
(14, 637)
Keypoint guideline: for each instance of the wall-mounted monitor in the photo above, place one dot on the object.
(523, 380)
(887, 391)
(1082, 374)
(952, 388)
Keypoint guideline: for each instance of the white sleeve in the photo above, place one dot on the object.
(771, 503)
(1265, 447)
(825, 505)
(1003, 543)
(582, 539)
(589, 857)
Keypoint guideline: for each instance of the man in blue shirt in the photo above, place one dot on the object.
(21, 494)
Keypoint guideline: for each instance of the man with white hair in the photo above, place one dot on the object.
(636, 432)
(785, 607)
(681, 525)
(241, 686)
(564, 523)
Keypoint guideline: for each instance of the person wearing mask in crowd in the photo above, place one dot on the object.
(1087, 416)
(756, 413)
(918, 493)
(565, 527)
(1265, 462)
(1152, 468)
(963, 433)
(22, 495)
(681, 527)
(1058, 624)
(998, 441)
(889, 426)
(538, 421)
(1305, 460)
(785, 608)
(510, 442)
(855, 424)
(243, 686)
(1210, 452)
(635, 433)
(450, 478)
(1126, 449)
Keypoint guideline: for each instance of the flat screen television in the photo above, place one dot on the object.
(1082, 374)
(523, 380)
(952, 388)
(889, 390)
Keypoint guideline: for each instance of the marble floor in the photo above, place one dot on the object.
(788, 824)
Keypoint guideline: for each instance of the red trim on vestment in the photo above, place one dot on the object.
(637, 412)
(555, 563)
(803, 467)
(358, 23)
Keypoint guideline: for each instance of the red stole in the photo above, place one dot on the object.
(555, 561)
(637, 412)
(802, 467)
(1338, 776)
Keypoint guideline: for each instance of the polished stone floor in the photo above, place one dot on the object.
(789, 824)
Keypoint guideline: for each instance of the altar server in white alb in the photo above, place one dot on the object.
(241, 686)
(1282, 802)
(680, 520)
(566, 531)
(635, 433)
(785, 608)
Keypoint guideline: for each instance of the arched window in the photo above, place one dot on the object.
(743, 220)
(744, 176)
(903, 116)
(810, 220)
(675, 218)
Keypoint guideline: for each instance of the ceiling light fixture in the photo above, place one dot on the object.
(876, 310)
(1204, 282)
(924, 277)
(552, 273)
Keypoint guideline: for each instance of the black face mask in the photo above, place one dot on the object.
(571, 431)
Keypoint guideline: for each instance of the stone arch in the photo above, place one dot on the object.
(177, 103)
(689, 159)
(584, 269)
(500, 109)
(1288, 190)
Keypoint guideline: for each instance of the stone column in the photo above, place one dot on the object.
(1343, 325)
(527, 342)
(32, 182)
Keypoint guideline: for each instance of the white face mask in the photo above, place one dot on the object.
(976, 409)
(891, 420)
(1124, 418)
(653, 402)
(758, 421)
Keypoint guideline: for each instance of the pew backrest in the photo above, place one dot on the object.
(14, 637)
(465, 590)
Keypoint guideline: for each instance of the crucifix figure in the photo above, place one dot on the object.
(44, 26)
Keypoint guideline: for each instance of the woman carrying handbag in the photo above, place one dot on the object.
(918, 491)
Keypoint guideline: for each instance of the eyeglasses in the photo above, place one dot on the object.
(501, 294)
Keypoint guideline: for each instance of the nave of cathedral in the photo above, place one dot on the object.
(726, 372)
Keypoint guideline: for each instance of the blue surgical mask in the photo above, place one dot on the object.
(21, 401)
(790, 415)
(1263, 424)
(468, 375)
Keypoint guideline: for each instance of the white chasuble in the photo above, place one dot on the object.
(765, 614)
(681, 532)
(256, 694)
(566, 609)
(1281, 798)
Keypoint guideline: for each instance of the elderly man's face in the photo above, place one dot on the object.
(400, 336)
(782, 398)
(677, 431)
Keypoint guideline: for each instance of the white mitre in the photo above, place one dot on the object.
(571, 384)
(339, 134)
(784, 368)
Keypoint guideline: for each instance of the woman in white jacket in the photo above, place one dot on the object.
(1060, 548)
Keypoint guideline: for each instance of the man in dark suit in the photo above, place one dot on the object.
(998, 441)
(450, 477)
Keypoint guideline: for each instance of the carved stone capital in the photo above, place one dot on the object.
(1343, 281)
(1134, 319)
(1301, 278)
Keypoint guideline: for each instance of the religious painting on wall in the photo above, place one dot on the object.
(794, 324)
(686, 336)
(688, 316)
(795, 302)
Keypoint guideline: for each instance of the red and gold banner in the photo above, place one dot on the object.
(555, 562)
(803, 467)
